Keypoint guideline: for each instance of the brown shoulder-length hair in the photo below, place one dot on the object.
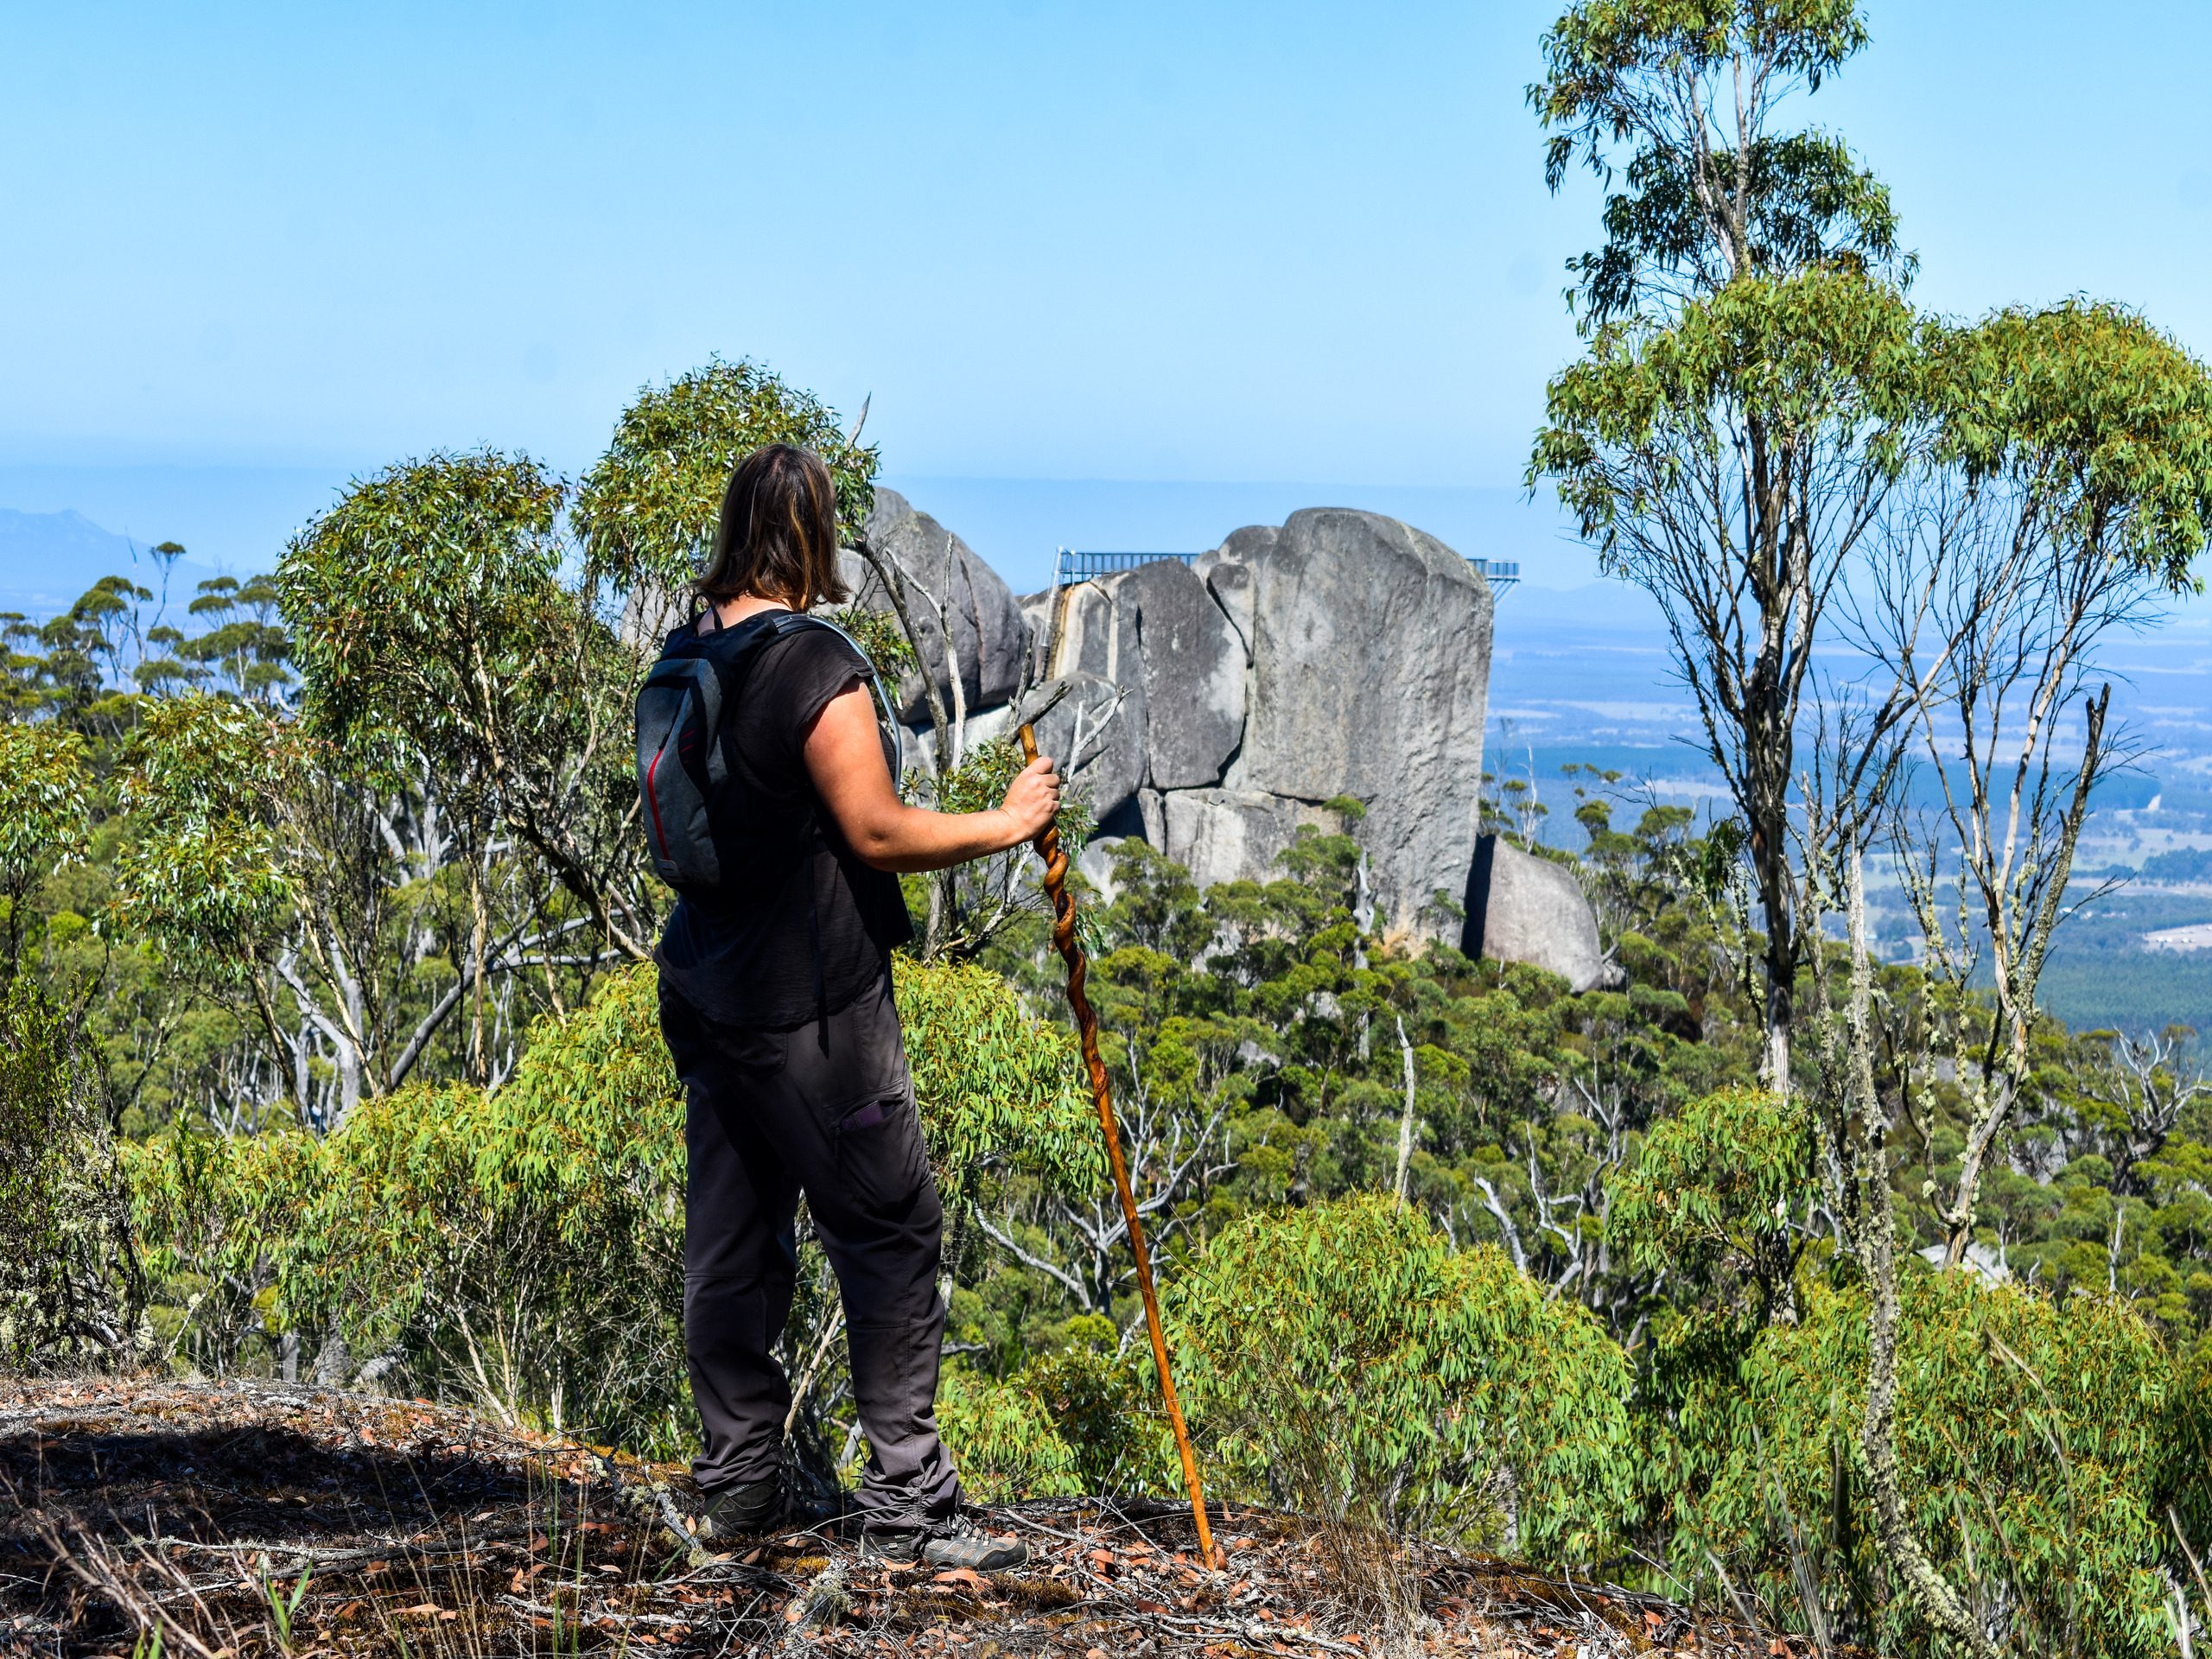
(777, 535)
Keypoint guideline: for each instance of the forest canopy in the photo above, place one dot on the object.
(1863, 1293)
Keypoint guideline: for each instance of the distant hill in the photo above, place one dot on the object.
(48, 559)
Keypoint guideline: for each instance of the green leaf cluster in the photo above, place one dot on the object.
(646, 510)
(2045, 1437)
(1347, 1357)
(70, 1286)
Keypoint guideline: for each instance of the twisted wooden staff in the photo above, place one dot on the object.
(1055, 873)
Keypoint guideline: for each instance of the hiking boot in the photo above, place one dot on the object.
(958, 1542)
(757, 1508)
(744, 1510)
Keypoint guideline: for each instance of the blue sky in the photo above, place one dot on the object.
(253, 249)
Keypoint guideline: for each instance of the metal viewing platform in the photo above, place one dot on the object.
(1070, 566)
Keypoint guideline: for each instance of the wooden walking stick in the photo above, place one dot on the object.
(1056, 873)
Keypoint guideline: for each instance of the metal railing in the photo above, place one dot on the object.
(1070, 566)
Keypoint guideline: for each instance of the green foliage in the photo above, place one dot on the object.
(216, 1214)
(43, 800)
(521, 1248)
(43, 813)
(1004, 1439)
(244, 650)
(1822, 357)
(70, 1290)
(1079, 1419)
(524, 1246)
(202, 871)
(1709, 1201)
(1348, 1354)
(2035, 1432)
(421, 603)
(647, 510)
(2103, 425)
(1656, 79)
(995, 1085)
(432, 626)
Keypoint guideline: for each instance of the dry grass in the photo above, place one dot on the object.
(193, 1520)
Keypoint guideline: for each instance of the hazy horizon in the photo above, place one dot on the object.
(1042, 242)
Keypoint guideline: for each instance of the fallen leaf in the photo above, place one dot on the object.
(960, 1575)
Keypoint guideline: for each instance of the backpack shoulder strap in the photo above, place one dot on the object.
(796, 621)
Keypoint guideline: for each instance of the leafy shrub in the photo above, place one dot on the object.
(1347, 1359)
(215, 1217)
(996, 1086)
(2032, 1433)
(1080, 1418)
(69, 1286)
(522, 1248)
(1707, 1203)
(1002, 1436)
(43, 817)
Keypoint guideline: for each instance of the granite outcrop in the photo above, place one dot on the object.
(1216, 706)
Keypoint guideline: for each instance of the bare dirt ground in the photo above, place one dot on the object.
(237, 1520)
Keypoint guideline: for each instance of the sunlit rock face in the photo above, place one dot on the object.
(1522, 908)
(1340, 654)
(1216, 708)
(989, 636)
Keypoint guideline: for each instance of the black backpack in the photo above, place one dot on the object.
(682, 771)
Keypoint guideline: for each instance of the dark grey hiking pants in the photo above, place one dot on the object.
(770, 1114)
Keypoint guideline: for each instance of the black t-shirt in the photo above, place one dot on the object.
(798, 903)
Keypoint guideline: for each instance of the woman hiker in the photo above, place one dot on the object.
(776, 1005)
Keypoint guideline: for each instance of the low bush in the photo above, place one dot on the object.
(70, 1290)
(1346, 1360)
(1083, 1417)
(522, 1248)
(2034, 1432)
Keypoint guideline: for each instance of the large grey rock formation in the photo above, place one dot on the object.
(1217, 708)
(1522, 908)
(1341, 654)
(989, 636)
(1371, 676)
(1181, 651)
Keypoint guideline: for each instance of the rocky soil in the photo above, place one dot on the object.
(248, 1519)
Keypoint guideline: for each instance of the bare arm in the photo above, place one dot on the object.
(844, 757)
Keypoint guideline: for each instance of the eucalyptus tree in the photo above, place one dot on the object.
(647, 510)
(1680, 101)
(2074, 494)
(433, 623)
(2073, 487)
(1749, 398)
(1735, 461)
(272, 875)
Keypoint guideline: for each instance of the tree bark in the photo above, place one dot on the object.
(1940, 1603)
